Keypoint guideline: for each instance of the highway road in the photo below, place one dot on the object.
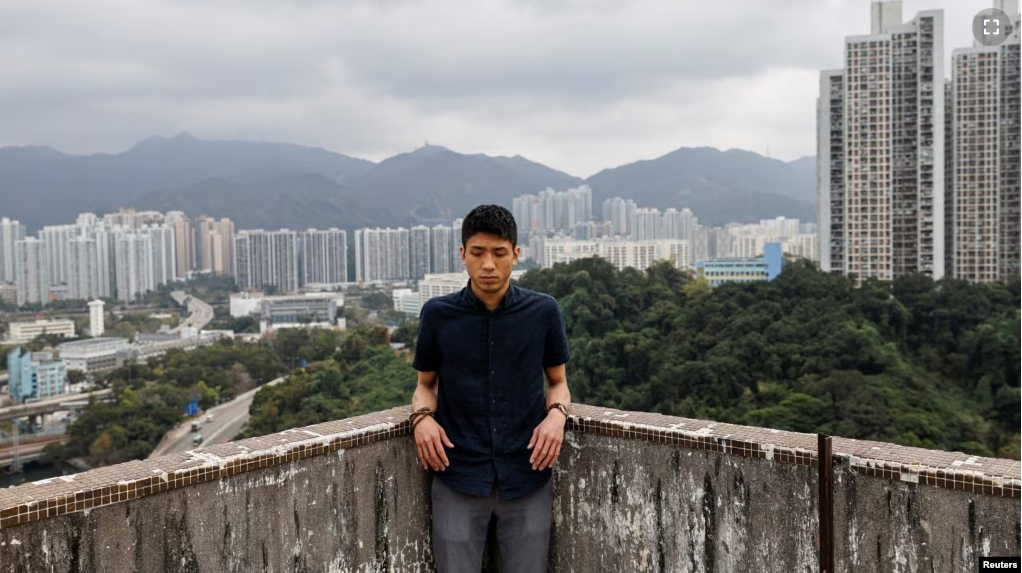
(201, 313)
(228, 418)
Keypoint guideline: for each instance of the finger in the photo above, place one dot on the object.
(447, 442)
(532, 442)
(422, 459)
(441, 455)
(548, 453)
(536, 446)
(430, 455)
(542, 448)
(554, 454)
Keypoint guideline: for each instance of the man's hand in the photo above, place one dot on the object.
(430, 440)
(546, 440)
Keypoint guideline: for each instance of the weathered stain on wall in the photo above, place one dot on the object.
(357, 511)
(624, 505)
(903, 527)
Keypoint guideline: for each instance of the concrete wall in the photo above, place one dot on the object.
(627, 505)
(654, 494)
(360, 510)
(892, 525)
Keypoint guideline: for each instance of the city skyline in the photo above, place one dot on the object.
(570, 99)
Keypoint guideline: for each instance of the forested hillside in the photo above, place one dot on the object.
(912, 362)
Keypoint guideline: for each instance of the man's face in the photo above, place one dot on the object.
(488, 260)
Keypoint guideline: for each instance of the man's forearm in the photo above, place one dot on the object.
(424, 397)
(558, 394)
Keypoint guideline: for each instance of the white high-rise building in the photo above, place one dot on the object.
(57, 239)
(96, 323)
(83, 280)
(552, 210)
(456, 239)
(880, 150)
(983, 175)
(10, 233)
(419, 251)
(324, 256)
(646, 223)
(382, 255)
(133, 264)
(106, 263)
(31, 272)
(267, 258)
(442, 245)
(164, 255)
(620, 213)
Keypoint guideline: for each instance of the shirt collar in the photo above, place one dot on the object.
(470, 298)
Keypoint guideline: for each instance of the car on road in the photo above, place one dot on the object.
(196, 426)
(209, 417)
(197, 440)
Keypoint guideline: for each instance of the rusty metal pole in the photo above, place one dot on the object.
(825, 459)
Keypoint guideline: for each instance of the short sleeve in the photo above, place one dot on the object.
(556, 351)
(427, 354)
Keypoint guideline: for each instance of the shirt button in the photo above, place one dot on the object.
(491, 372)
(495, 430)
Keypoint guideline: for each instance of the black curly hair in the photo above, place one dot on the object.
(492, 220)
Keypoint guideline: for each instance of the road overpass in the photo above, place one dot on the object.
(65, 402)
(200, 315)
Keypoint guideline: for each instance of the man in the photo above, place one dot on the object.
(481, 420)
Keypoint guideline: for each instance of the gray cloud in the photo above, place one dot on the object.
(577, 84)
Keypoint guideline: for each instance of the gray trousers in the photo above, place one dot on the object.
(460, 523)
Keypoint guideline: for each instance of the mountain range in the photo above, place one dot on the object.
(277, 185)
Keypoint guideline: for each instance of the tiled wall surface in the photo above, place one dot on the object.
(57, 496)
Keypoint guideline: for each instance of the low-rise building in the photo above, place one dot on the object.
(407, 301)
(22, 332)
(765, 268)
(94, 354)
(35, 375)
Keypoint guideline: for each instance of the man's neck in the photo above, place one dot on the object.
(491, 301)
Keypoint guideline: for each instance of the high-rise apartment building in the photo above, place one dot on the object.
(324, 256)
(880, 150)
(267, 258)
(164, 259)
(31, 271)
(133, 264)
(621, 214)
(983, 146)
(83, 279)
(419, 251)
(57, 239)
(10, 233)
(184, 244)
(552, 210)
(214, 245)
(442, 245)
(382, 255)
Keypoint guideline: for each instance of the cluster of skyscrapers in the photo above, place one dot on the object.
(918, 173)
(407, 254)
(123, 255)
(117, 256)
(288, 260)
(553, 210)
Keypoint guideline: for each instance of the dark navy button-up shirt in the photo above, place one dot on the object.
(491, 395)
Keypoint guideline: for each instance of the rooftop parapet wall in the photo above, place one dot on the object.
(632, 491)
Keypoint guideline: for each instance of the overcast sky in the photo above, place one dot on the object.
(579, 85)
